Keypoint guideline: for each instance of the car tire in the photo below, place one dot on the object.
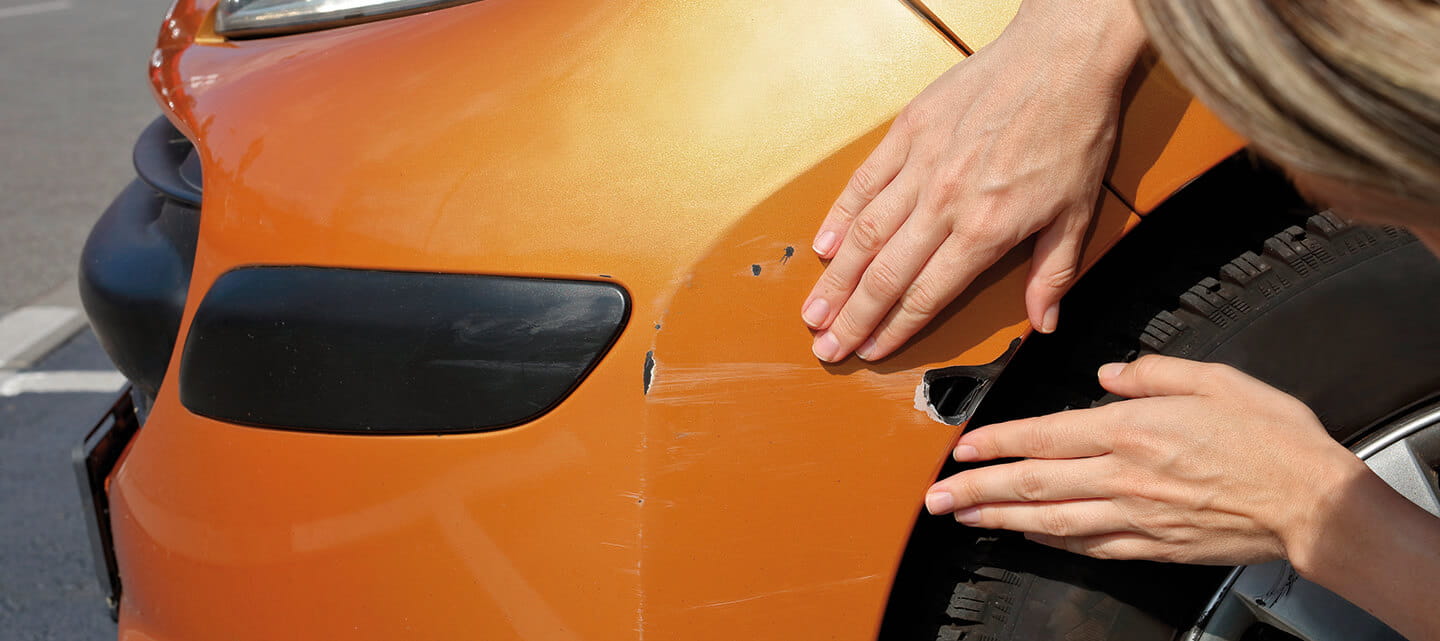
(1338, 315)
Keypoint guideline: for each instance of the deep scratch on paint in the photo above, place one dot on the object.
(649, 369)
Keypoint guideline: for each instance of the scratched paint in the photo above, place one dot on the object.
(649, 373)
(709, 384)
(817, 587)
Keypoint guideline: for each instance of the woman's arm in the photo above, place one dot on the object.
(1379, 551)
(1009, 143)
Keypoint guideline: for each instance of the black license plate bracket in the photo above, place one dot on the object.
(94, 458)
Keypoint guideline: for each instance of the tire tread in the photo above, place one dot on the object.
(1000, 572)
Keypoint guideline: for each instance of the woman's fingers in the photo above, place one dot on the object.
(1190, 464)
(1072, 434)
(867, 235)
(1023, 481)
(907, 285)
(1155, 375)
(1055, 267)
(947, 273)
(868, 181)
(887, 277)
(1086, 517)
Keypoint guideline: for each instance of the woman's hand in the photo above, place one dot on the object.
(1207, 465)
(1009, 143)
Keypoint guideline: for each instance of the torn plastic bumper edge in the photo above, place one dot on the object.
(950, 395)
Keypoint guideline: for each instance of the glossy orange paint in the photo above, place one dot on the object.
(1166, 137)
(678, 148)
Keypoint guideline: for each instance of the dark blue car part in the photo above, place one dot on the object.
(166, 161)
(135, 268)
(386, 352)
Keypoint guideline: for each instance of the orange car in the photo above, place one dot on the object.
(482, 323)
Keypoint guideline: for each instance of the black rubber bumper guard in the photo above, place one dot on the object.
(135, 268)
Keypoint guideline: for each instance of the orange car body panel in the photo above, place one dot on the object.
(683, 150)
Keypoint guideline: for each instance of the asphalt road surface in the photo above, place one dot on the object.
(48, 589)
(73, 96)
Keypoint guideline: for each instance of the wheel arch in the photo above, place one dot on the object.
(1280, 266)
(1229, 209)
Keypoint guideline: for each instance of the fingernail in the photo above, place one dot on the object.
(866, 348)
(939, 502)
(826, 347)
(968, 516)
(816, 312)
(824, 243)
(966, 453)
(1111, 370)
(1051, 319)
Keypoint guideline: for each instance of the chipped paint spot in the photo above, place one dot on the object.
(657, 325)
(604, 275)
(754, 270)
(789, 252)
(649, 374)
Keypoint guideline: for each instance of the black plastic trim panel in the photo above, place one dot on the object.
(93, 459)
(134, 276)
(386, 352)
(167, 162)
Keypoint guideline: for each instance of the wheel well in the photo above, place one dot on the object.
(1230, 210)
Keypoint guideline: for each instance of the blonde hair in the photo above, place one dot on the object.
(1343, 89)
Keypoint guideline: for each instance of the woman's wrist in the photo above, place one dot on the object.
(1373, 547)
(1104, 37)
(1335, 512)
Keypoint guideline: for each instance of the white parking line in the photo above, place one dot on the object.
(28, 333)
(61, 381)
(32, 9)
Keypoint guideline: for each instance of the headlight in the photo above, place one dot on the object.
(242, 18)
